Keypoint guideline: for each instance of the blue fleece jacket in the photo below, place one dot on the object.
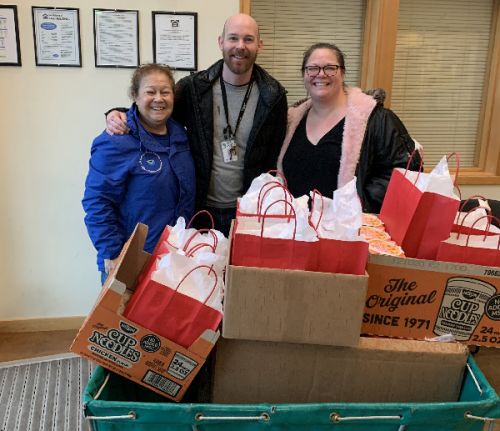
(138, 177)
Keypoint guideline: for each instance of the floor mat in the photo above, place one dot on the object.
(43, 394)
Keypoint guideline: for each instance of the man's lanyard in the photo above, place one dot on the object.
(228, 131)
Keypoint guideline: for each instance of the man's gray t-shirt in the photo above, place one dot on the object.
(226, 179)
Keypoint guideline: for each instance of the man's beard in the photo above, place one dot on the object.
(245, 65)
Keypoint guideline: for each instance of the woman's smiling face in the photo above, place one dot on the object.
(321, 85)
(155, 101)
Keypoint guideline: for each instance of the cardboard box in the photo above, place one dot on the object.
(128, 349)
(377, 370)
(293, 306)
(418, 299)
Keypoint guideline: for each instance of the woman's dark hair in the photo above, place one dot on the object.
(323, 45)
(144, 70)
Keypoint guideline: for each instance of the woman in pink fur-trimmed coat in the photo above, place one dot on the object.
(340, 132)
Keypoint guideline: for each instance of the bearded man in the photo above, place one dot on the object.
(235, 115)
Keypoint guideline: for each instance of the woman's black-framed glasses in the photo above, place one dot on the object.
(328, 70)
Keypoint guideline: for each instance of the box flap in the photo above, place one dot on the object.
(132, 257)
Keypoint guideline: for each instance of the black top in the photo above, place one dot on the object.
(308, 167)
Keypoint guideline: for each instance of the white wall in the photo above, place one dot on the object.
(49, 117)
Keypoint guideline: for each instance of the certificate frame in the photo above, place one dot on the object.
(63, 47)
(130, 57)
(10, 49)
(175, 39)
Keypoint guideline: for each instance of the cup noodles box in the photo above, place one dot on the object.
(128, 349)
(419, 299)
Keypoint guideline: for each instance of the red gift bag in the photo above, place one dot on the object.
(416, 220)
(474, 249)
(171, 314)
(262, 252)
(335, 255)
(342, 257)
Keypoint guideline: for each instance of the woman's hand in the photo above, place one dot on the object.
(116, 123)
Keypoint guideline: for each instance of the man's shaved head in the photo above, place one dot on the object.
(238, 19)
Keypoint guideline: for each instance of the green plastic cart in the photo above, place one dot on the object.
(114, 404)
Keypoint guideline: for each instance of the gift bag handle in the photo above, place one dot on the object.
(455, 179)
(196, 247)
(292, 210)
(461, 225)
(490, 218)
(197, 214)
(198, 232)
(421, 152)
(273, 184)
(477, 197)
(313, 198)
(457, 170)
(210, 270)
(278, 173)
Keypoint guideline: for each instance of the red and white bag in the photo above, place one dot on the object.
(418, 209)
(474, 249)
(172, 313)
(337, 222)
(274, 245)
(173, 296)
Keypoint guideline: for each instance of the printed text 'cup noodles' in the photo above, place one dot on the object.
(462, 306)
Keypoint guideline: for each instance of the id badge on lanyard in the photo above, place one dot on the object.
(229, 150)
(228, 146)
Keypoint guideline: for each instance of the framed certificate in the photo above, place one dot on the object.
(175, 39)
(116, 38)
(10, 52)
(56, 32)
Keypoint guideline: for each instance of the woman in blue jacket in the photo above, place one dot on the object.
(146, 176)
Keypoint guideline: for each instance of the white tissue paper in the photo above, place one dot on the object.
(179, 235)
(189, 240)
(269, 189)
(199, 284)
(343, 216)
(282, 227)
(438, 181)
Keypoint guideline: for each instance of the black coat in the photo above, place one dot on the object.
(386, 146)
(194, 109)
